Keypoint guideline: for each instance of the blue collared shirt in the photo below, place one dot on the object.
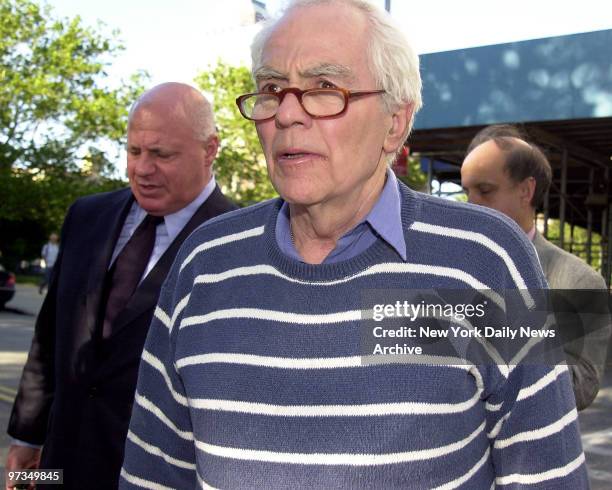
(384, 220)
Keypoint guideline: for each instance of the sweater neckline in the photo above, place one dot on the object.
(376, 252)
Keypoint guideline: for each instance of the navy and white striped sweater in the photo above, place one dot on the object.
(252, 377)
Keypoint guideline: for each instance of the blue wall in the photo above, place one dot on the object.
(565, 77)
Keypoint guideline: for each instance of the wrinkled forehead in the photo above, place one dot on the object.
(150, 127)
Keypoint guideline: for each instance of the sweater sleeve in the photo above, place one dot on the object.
(532, 422)
(584, 315)
(159, 449)
(533, 431)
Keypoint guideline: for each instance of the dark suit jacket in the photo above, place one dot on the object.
(77, 390)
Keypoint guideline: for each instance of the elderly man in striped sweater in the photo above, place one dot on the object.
(254, 373)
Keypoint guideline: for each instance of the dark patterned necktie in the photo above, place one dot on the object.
(126, 272)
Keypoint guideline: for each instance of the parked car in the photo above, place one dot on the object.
(7, 286)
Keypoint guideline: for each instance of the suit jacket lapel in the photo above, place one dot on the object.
(109, 223)
(147, 293)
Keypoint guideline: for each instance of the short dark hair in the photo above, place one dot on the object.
(522, 160)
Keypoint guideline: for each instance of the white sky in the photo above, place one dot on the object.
(174, 40)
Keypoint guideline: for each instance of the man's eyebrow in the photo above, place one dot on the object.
(155, 147)
(329, 70)
(267, 73)
(322, 70)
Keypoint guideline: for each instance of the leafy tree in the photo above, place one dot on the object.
(52, 96)
(240, 166)
(415, 179)
(60, 122)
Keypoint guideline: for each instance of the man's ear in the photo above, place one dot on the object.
(527, 189)
(400, 120)
(211, 147)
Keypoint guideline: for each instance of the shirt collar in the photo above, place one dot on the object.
(385, 219)
(386, 216)
(531, 233)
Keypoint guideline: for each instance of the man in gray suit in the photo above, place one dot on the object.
(503, 171)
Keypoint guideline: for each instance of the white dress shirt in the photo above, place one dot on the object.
(166, 232)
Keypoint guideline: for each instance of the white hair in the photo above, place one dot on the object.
(392, 60)
(203, 119)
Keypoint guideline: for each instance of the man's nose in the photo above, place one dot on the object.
(291, 112)
(145, 164)
(473, 198)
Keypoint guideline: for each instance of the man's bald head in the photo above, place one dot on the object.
(502, 171)
(179, 100)
(172, 144)
(522, 159)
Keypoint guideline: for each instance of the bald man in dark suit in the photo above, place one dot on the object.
(78, 384)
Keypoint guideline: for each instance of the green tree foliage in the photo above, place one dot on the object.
(415, 179)
(240, 167)
(52, 96)
(60, 122)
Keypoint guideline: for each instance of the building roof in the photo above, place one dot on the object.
(559, 90)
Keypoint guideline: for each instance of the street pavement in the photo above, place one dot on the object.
(17, 328)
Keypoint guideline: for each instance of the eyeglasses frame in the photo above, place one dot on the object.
(299, 93)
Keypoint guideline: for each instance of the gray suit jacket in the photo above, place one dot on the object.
(586, 354)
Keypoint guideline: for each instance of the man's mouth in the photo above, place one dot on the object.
(148, 187)
(292, 156)
(296, 156)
